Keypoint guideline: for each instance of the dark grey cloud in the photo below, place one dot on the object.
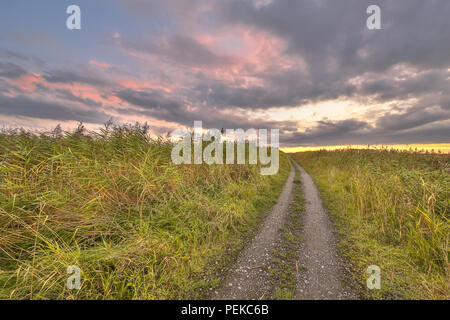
(71, 77)
(187, 50)
(220, 94)
(157, 104)
(388, 88)
(445, 103)
(148, 99)
(414, 31)
(413, 117)
(358, 132)
(25, 106)
(425, 122)
(181, 49)
(11, 70)
(68, 95)
(328, 130)
(13, 55)
(280, 89)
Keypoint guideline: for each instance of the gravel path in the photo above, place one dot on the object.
(249, 278)
(322, 279)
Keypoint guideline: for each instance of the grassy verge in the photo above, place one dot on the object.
(113, 204)
(391, 210)
(285, 262)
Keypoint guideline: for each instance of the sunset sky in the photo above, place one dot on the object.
(309, 68)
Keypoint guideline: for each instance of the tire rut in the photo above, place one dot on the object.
(322, 279)
(249, 278)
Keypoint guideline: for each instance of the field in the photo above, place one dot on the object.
(113, 204)
(139, 227)
(391, 209)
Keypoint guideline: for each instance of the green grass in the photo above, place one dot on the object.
(113, 204)
(285, 256)
(391, 210)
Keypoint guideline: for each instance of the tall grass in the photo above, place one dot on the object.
(392, 210)
(113, 204)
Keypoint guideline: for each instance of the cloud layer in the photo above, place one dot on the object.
(309, 68)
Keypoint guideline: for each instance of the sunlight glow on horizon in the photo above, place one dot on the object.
(442, 147)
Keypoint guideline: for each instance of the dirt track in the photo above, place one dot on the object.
(249, 277)
(324, 267)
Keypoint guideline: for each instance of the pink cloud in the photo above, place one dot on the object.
(27, 83)
(99, 64)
